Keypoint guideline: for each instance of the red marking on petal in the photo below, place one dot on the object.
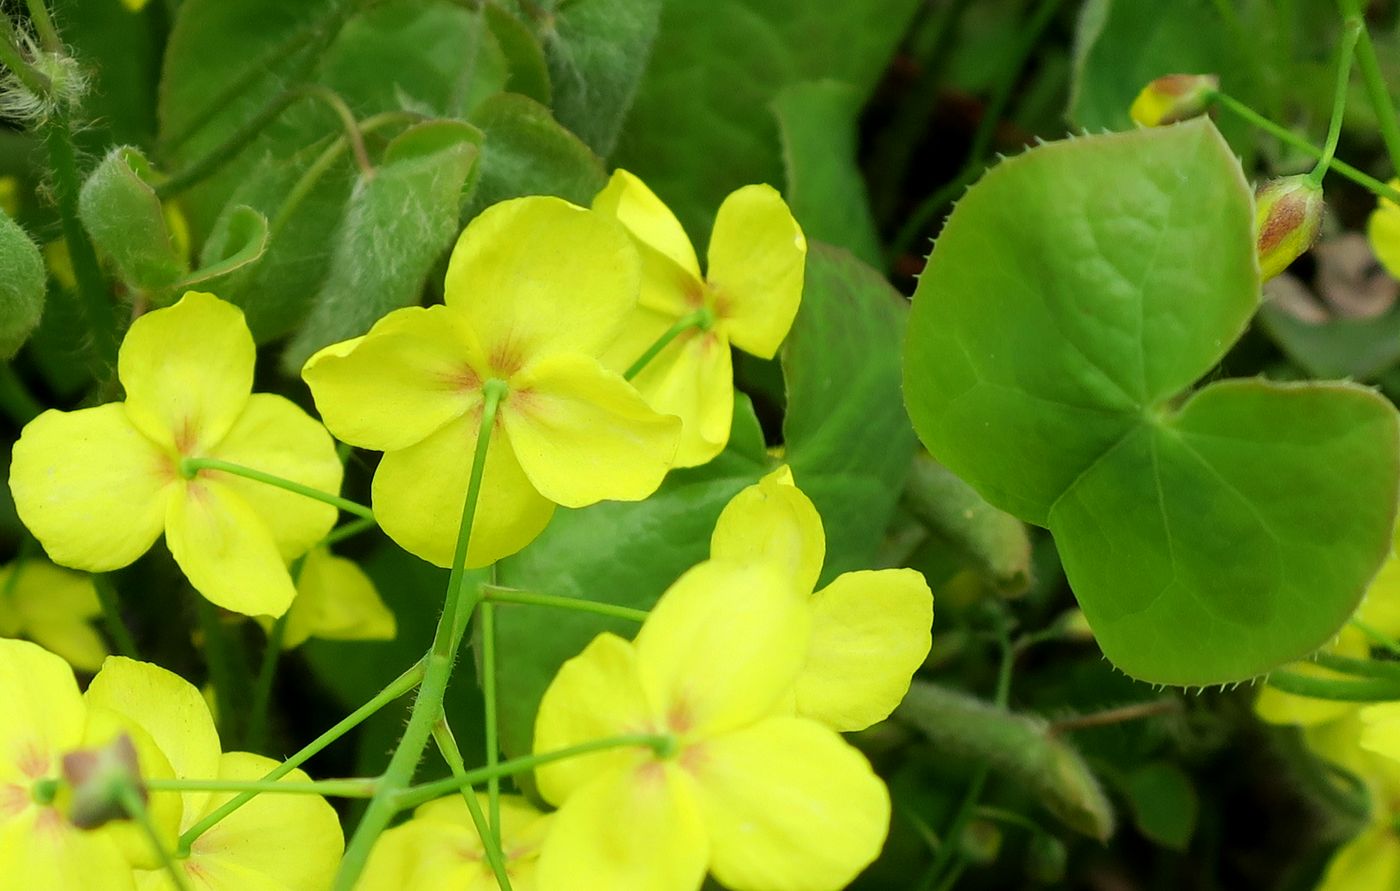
(13, 800)
(33, 761)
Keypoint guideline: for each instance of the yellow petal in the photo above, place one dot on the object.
(1369, 862)
(628, 200)
(1381, 729)
(393, 860)
(1277, 707)
(583, 434)
(631, 829)
(73, 473)
(596, 694)
(40, 850)
(416, 370)
(693, 379)
(291, 842)
(336, 601)
(773, 521)
(227, 551)
(419, 493)
(439, 848)
(789, 806)
(756, 262)
(275, 436)
(170, 710)
(870, 633)
(522, 829)
(1383, 231)
(1381, 608)
(165, 809)
(41, 713)
(524, 297)
(187, 370)
(723, 646)
(53, 606)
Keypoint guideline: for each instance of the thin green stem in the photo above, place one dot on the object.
(112, 616)
(702, 318)
(1370, 67)
(487, 613)
(43, 26)
(416, 795)
(1008, 818)
(1376, 635)
(496, 594)
(1335, 689)
(190, 467)
(1365, 668)
(1350, 34)
(490, 842)
(396, 688)
(348, 530)
(1288, 137)
(15, 398)
(347, 788)
(136, 808)
(427, 708)
(12, 57)
(352, 134)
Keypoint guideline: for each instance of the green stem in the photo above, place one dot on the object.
(1365, 668)
(487, 612)
(396, 688)
(427, 708)
(1009, 818)
(1350, 34)
(12, 57)
(1377, 636)
(1336, 689)
(136, 808)
(702, 318)
(15, 398)
(43, 26)
(495, 594)
(112, 616)
(353, 133)
(1370, 67)
(349, 788)
(490, 842)
(189, 467)
(416, 795)
(350, 529)
(96, 303)
(1288, 137)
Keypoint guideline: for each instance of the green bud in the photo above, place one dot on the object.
(1175, 97)
(980, 841)
(1046, 859)
(22, 287)
(1287, 220)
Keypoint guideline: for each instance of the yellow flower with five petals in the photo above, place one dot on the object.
(748, 297)
(536, 287)
(98, 486)
(54, 608)
(759, 797)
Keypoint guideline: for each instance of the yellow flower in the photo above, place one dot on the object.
(336, 601)
(750, 290)
(98, 486)
(43, 717)
(439, 848)
(536, 287)
(1383, 231)
(1371, 860)
(870, 629)
(286, 842)
(52, 607)
(759, 797)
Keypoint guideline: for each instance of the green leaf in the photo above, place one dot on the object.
(817, 121)
(120, 210)
(848, 439)
(1020, 747)
(1074, 293)
(527, 152)
(1164, 803)
(701, 126)
(22, 287)
(398, 224)
(615, 552)
(120, 52)
(597, 50)
(527, 71)
(1362, 349)
(241, 241)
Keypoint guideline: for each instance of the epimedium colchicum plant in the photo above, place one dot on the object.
(340, 302)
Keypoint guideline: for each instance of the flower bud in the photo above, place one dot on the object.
(1287, 220)
(98, 779)
(1173, 98)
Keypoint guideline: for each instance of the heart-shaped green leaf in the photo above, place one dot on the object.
(1075, 292)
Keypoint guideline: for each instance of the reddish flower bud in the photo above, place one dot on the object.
(1173, 98)
(1287, 219)
(98, 779)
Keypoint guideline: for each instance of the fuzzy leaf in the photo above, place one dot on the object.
(527, 152)
(121, 212)
(22, 287)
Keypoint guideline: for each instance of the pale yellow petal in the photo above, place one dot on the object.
(628, 200)
(187, 370)
(336, 600)
(693, 379)
(416, 370)
(40, 850)
(275, 436)
(631, 829)
(419, 493)
(773, 521)
(870, 633)
(583, 434)
(54, 606)
(1383, 231)
(537, 275)
(74, 472)
(755, 271)
(227, 552)
(595, 695)
(1369, 862)
(789, 806)
(41, 712)
(723, 646)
